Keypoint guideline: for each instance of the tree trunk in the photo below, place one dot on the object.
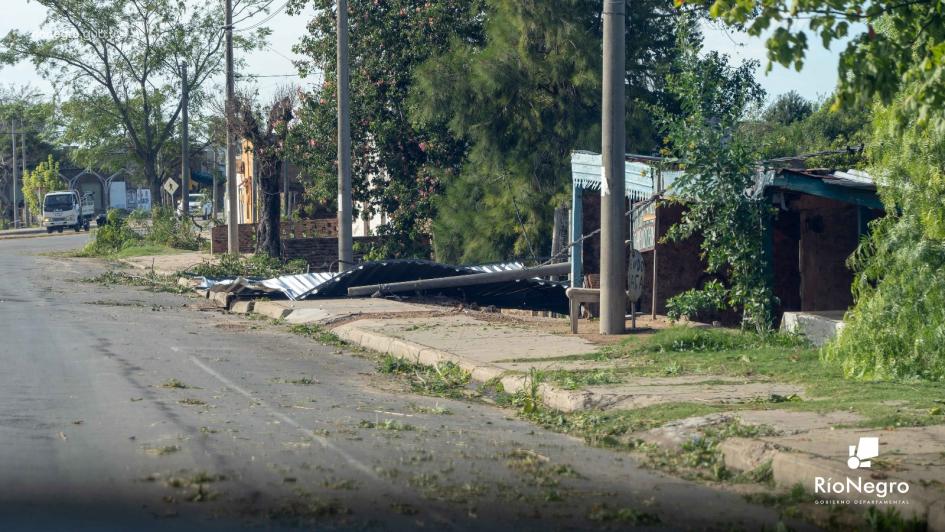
(268, 238)
(153, 180)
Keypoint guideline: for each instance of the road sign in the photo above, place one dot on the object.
(171, 186)
(635, 275)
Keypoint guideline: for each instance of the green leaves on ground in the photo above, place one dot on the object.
(258, 265)
(445, 379)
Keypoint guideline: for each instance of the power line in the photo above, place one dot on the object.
(267, 76)
(265, 20)
(254, 13)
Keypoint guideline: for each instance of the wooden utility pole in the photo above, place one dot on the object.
(184, 145)
(232, 228)
(613, 296)
(345, 253)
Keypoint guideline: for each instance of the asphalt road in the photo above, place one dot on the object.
(130, 410)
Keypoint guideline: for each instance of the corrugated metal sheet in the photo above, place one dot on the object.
(528, 294)
(586, 172)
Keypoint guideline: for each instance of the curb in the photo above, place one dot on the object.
(551, 396)
(790, 468)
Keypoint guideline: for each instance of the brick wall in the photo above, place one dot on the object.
(322, 253)
(317, 228)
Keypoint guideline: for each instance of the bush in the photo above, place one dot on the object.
(160, 227)
(113, 237)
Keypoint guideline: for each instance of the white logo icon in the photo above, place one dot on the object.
(860, 454)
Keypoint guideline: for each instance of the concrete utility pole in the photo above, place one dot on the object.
(184, 145)
(213, 183)
(26, 208)
(613, 271)
(232, 229)
(345, 254)
(13, 172)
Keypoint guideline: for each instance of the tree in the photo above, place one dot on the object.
(843, 131)
(897, 47)
(125, 56)
(894, 329)
(397, 162)
(267, 138)
(523, 100)
(719, 161)
(34, 122)
(42, 179)
(788, 108)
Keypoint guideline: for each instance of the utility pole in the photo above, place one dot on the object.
(184, 145)
(13, 172)
(613, 271)
(232, 229)
(26, 208)
(345, 254)
(213, 182)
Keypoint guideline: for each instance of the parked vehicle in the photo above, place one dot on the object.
(199, 204)
(62, 209)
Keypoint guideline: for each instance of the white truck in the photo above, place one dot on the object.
(63, 209)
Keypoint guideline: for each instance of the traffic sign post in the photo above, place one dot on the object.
(171, 186)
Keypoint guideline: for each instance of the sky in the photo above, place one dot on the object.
(815, 81)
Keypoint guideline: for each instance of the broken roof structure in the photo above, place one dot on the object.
(524, 294)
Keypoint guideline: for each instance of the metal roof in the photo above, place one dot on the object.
(528, 294)
(587, 169)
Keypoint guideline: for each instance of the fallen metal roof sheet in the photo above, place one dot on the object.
(528, 294)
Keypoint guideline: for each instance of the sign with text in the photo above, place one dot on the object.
(644, 227)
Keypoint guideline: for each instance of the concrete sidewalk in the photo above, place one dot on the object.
(804, 445)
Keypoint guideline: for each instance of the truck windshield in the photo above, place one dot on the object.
(62, 202)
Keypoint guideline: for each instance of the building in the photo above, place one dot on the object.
(820, 217)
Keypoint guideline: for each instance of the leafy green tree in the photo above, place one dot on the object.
(844, 130)
(895, 327)
(126, 58)
(42, 179)
(523, 100)
(397, 162)
(33, 116)
(896, 46)
(719, 160)
(788, 108)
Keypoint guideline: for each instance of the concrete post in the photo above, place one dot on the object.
(232, 229)
(184, 145)
(345, 252)
(613, 300)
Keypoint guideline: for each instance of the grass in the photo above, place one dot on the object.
(445, 379)
(689, 351)
(317, 333)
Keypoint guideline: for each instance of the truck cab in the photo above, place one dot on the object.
(62, 209)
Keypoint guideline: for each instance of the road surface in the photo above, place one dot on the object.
(123, 409)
